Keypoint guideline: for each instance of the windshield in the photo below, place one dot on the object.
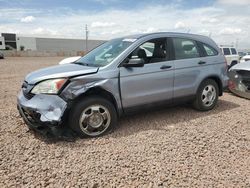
(105, 53)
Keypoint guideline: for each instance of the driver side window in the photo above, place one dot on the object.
(152, 51)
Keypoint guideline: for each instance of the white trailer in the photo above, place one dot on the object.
(2, 43)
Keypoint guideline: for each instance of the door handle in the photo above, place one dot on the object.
(166, 67)
(202, 62)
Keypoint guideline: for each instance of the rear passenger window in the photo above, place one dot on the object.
(185, 48)
(226, 51)
(233, 51)
(209, 50)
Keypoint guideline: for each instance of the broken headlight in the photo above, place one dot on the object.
(49, 86)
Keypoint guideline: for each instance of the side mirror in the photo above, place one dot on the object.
(134, 63)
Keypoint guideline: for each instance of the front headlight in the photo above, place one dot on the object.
(49, 86)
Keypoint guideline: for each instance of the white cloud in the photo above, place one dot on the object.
(235, 2)
(230, 31)
(150, 30)
(102, 24)
(43, 31)
(209, 20)
(180, 25)
(27, 19)
(224, 23)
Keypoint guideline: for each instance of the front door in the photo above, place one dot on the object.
(151, 83)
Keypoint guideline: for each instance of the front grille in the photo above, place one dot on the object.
(245, 78)
(246, 83)
(28, 95)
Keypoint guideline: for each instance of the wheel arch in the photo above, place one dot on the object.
(217, 80)
(100, 92)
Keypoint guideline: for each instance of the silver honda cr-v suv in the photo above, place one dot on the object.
(120, 76)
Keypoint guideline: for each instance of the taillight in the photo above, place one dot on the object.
(231, 84)
(226, 66)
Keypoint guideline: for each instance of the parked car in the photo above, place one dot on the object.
(119, 77)
(69, 60)
(231, 55)
(241, 54)
(239, 82)
(1, 55)
(245, 58)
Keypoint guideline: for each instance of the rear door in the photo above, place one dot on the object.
(189, 66)
(151, 83)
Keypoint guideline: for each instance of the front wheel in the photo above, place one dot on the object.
(92, 117)
(207, 95)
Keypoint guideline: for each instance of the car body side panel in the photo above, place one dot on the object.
(148, 84)
(189, 74)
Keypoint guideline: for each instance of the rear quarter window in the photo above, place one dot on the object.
(210, 51)
(233, 50)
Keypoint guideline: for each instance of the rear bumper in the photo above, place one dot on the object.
(41, 112)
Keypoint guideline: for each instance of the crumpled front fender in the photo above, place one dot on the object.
(239, 84)
(80, 86)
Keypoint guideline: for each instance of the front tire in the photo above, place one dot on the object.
(207, 95)
(93, 117)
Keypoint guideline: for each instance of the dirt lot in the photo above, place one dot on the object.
(172, 147)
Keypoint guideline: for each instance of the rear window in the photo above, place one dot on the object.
(226, 51)
(233, 50)
(209, 50)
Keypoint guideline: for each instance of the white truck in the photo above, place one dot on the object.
(230, 54)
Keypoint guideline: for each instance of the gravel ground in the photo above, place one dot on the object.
(172, 147)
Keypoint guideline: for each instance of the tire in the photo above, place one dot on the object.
(92, 117)
(206, 96)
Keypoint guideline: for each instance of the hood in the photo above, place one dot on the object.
(241, 66)
(246, 57)
(59, 71)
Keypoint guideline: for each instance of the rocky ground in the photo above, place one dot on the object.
(172, 147)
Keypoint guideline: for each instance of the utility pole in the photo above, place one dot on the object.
(87, 37)
(237, 43)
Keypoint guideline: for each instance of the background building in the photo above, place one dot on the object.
(35, 45)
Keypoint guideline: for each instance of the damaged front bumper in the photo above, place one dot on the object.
(41, 112)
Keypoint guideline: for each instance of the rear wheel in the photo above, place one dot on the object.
(92, 117)
(207, 95)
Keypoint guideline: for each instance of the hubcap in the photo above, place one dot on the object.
(94, 120)
(208, 95)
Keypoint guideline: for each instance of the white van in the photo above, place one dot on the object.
(231, 55)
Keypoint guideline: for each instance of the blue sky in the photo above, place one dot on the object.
(97, 5)
(226, 21)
